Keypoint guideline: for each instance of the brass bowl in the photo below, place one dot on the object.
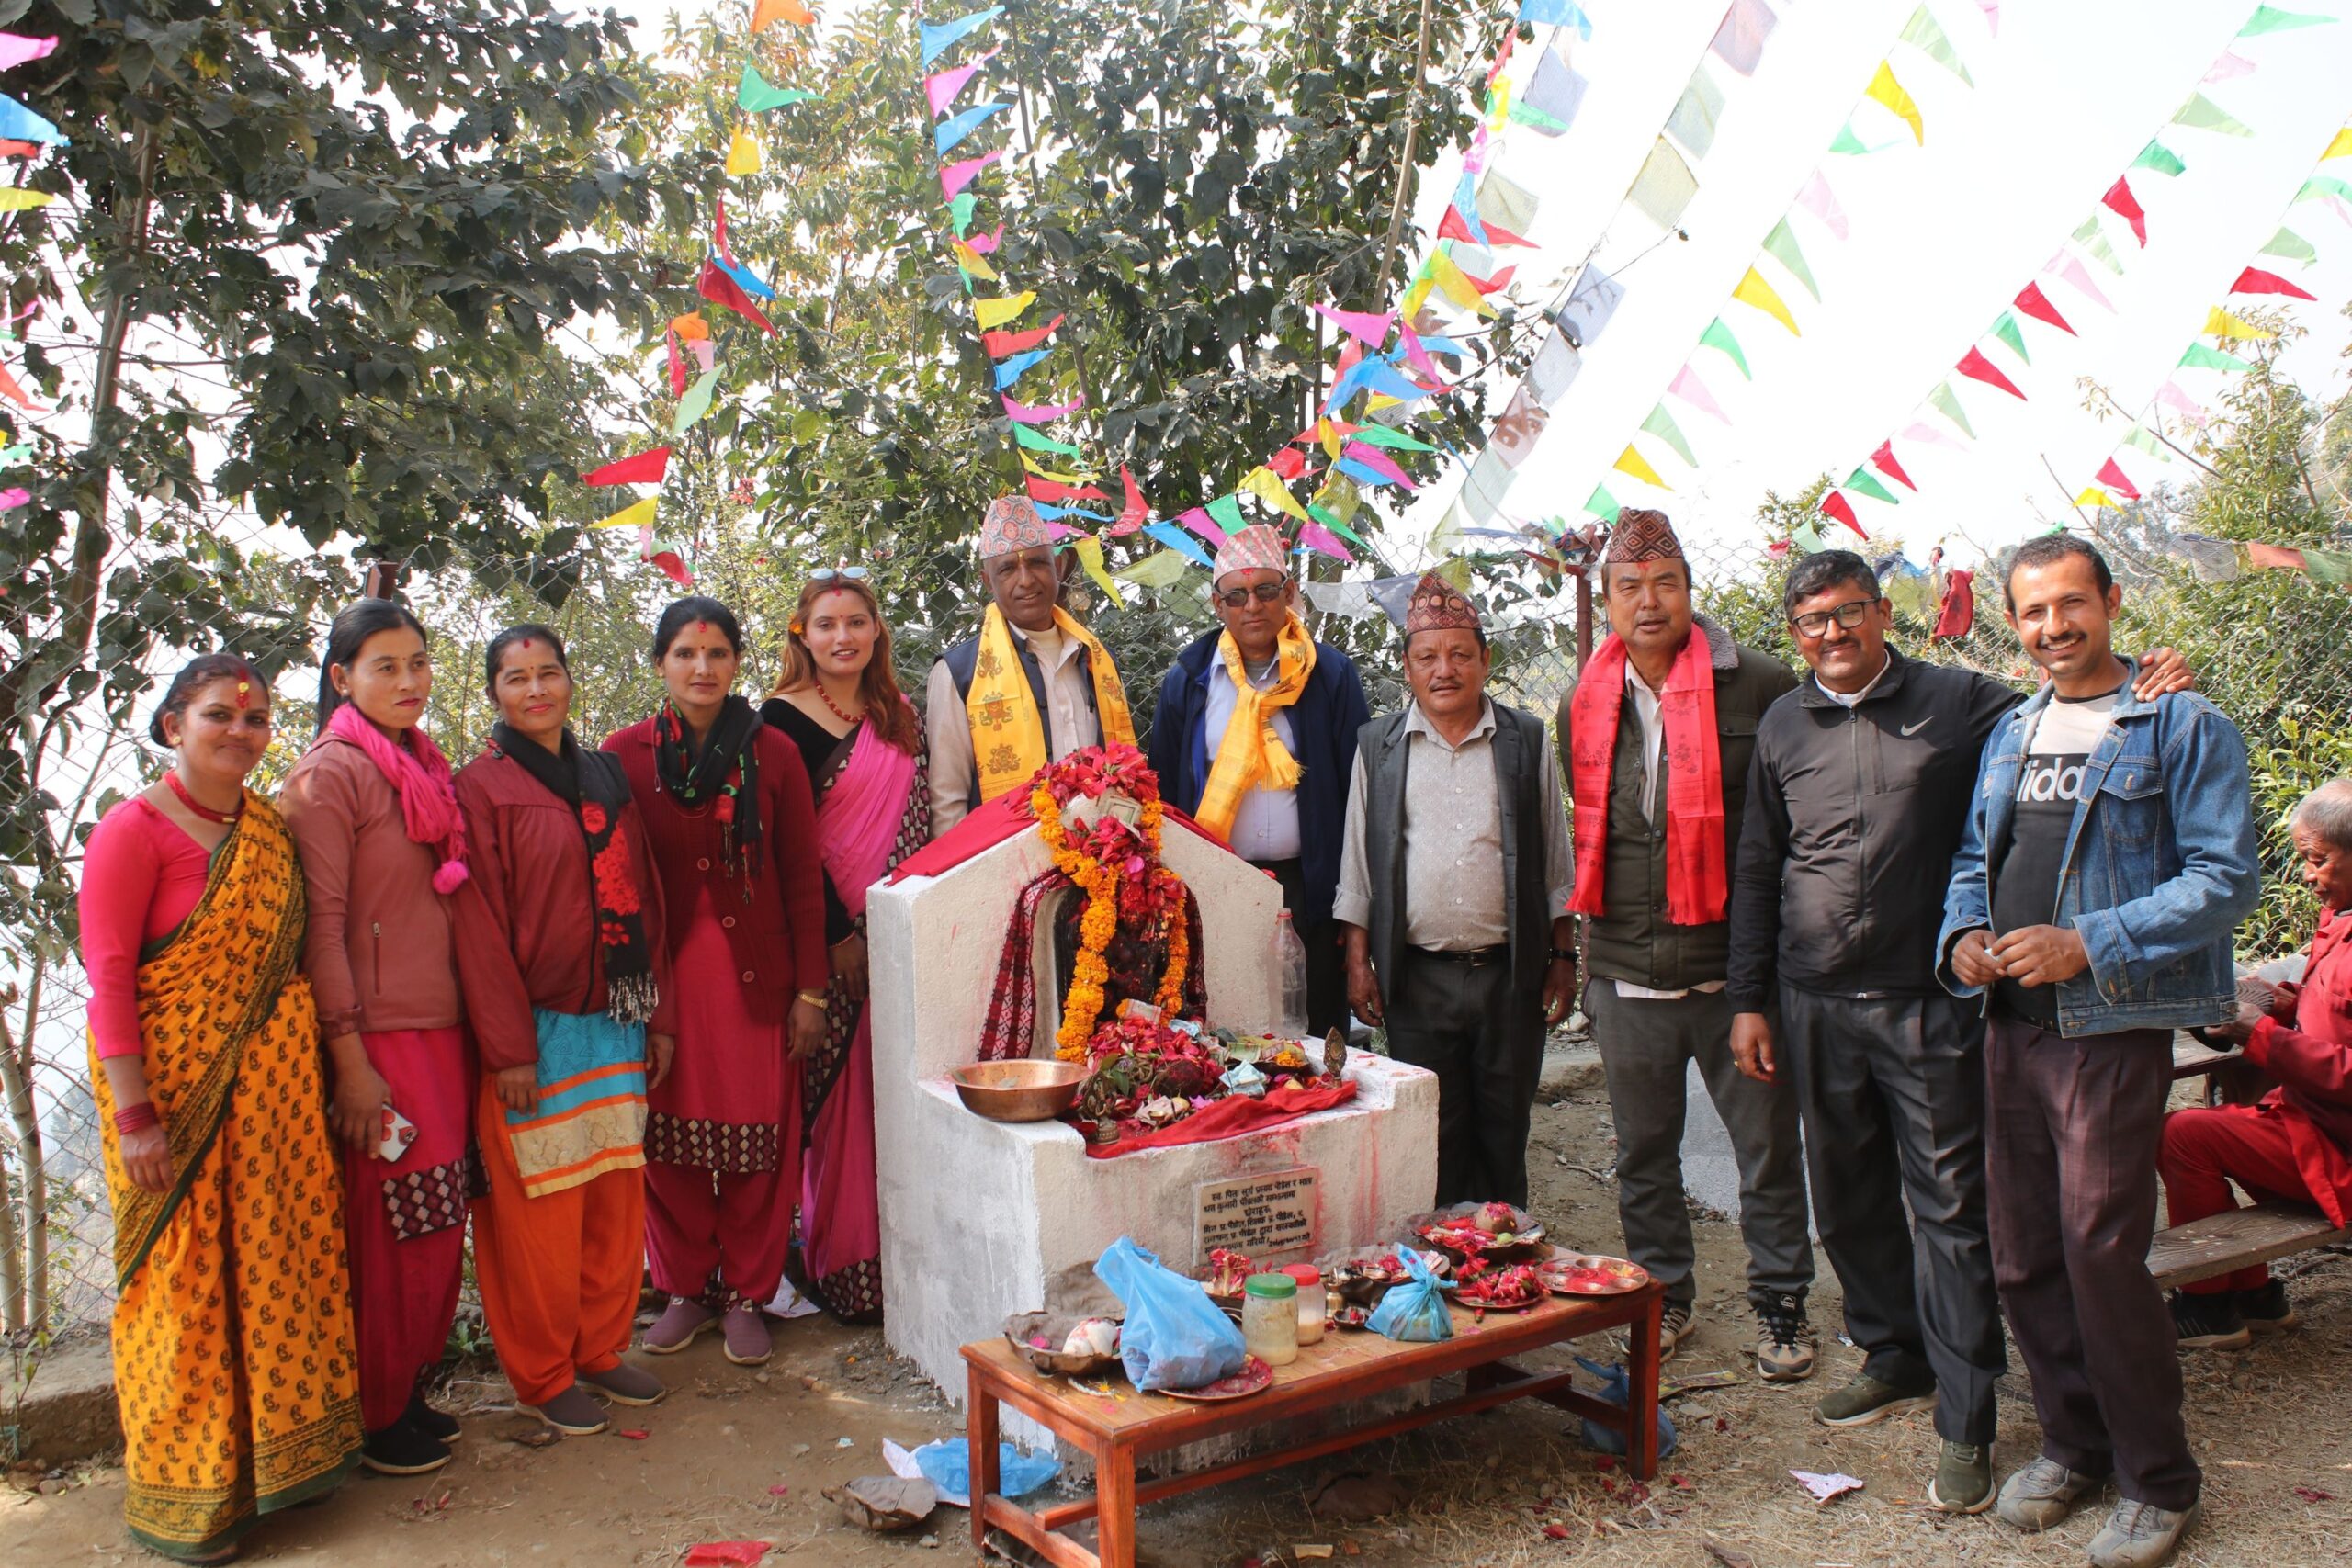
(1019, 1091)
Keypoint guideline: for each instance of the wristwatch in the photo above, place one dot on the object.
(1564, 955)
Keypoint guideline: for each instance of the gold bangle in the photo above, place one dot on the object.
(814, 998)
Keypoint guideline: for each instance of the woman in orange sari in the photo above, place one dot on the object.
(232, 1344)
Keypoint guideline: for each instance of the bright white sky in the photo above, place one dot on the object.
(1942, 237)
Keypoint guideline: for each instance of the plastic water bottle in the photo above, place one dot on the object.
(1290, 973)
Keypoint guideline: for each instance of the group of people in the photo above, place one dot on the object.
(610, 1003)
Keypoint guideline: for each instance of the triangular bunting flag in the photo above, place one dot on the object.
(1863, 482)
(1661, 425)
(1038, 441)
(1883, 460)
(2200, 356)
(1974, 366)
(1884, 89)
(767, 13)
(992, 313)
(1782, 246)
(2162, 159)
(2006, 328)
(2119, 199)
(2113, 476)
(1718, 336)
(754, 95)
(1132, 514)
(2271, 19)
(2035, 303)
(1160, 570)
(1556, 14)
(2253, 280)
(717, 286)
(1817, 198)
(2319, 185)
(2220, 323)
(1366, 328)
(1922, 33)
(2201, 113)
(1945, 401)
(1001, 345)
(742, 154)
(1687, 386)
(638, 515)
(1014, 409)
(1267, 486)
(937, 40)
(1754, 290)
(1837, 506)
(948, 132)
(2095, 497)
(1603, 504)
(2292, 246)
(1927, 434)
(1183, 544)
(2074, 272)
(644, 469)
(954, 177)
(696, 403)
(1631, 461)
(945, 88)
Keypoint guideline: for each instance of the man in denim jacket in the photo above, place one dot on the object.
(2108, 857)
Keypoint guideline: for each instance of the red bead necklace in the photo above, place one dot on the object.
(826, 697)
(223, 817)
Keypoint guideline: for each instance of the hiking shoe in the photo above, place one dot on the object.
(1867, 1399)
(1673, 1327)
(676, 1327)
(1963, 1482)
(625, 1384)
(2208, 1322)
(573, 1413)
(2138, 1535)
(1784, 1347)
(438, 1425)
(403, 1450)
(746, 1334)
(2268, 1310)
(2039, 1496)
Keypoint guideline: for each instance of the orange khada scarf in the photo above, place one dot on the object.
(1697, 882)
(233, 1336)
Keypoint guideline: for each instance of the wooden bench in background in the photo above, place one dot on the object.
(2239, 1240)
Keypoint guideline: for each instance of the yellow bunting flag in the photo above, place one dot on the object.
(1885, 89)
(1267, 486)
(1088, 550)
(743, 154)
(1329, 433)
(1044, 472)
(2220, 323)
(1755, 291)
(993, 313)
(1418, 294)
(2095, 497)
(641, 515)
(972, 262)
(2339, 148)
(1455, 285)
(1631, 461)
(15, 200)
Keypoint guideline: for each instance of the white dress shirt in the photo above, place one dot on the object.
(1265, 825)
(1070, 721)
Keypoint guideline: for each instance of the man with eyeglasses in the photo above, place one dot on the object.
(1861, 784)
(1255, 738)
(1031, 687)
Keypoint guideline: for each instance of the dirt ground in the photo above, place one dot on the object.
(739, 1455)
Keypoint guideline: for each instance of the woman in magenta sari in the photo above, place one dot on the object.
(838, 701)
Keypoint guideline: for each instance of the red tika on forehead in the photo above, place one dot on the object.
(245, 695)
(526, 643)
(702, 625)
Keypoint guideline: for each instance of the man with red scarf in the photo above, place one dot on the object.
(1655, 736)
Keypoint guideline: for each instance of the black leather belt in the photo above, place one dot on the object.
(1475, 957)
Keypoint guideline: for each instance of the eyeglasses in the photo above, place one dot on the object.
(1265, 593)
(1849, 614)
(827, 573)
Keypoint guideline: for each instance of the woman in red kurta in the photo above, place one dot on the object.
(726, 808)
(563, 948)
(2296, 1146)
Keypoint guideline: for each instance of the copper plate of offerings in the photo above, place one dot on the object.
(1018, 1092)
(1591, 1274)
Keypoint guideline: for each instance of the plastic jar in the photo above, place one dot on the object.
(1270, 1319)
(1312, 1305)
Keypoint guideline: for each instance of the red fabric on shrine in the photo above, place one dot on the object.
(1231, 1117)
(990, 824)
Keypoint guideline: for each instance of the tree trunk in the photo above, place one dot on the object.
(1404, 163)
(27, 1306)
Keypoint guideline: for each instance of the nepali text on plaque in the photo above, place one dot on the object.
(1263, 1217)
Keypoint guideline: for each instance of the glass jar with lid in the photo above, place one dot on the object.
(1312, 1305)
(1270, 1319)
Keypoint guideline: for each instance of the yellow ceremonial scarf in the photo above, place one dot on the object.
(1007, 732)
(1251, 753)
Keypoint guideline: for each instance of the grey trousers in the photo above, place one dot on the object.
(1461, 1022)
(1891, 1093)
(1645, 1048)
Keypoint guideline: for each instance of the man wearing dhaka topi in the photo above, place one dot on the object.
(1031, 688)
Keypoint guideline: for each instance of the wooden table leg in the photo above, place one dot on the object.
(1114, 1505)
(980, 1440)
(1640, 1406)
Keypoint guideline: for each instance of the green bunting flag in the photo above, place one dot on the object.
(1331, 520)
(2319, 186)
(1225, 511)
(754, 94)
(2291, 245)
(1780, 244)
(1805, 539)
(1718, 336)
(2094, 242)
(1922, 33)
(697, 402)
(1381, 435)
(1848, 143)
(1038, 442)
(1661, 425)
(2331, 567)
(1603, 504)
(1948, 405)
(2270, 20)
(961, 210)
(2006, 328)
(2202, 113)
(2145, 440)
(1863, 482)
(2201, 357)
(2162, 159)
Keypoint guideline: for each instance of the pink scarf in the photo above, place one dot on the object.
(420, 773)
(858, 822)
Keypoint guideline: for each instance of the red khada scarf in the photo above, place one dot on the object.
(1697, 882)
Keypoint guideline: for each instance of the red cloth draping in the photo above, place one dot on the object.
(1231, 1117)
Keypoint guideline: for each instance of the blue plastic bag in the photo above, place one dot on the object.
(1175, 1336)
(1612, 1391)
(1416, 1309)
(947, 1465)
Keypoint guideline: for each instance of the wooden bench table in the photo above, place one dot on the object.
(1344, 1366)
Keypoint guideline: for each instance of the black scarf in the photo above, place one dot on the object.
(596, 789)
(726, 775)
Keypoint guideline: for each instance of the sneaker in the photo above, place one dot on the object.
(1963, 1482)
(748, 1344)
(1784, 1348)
(2268, 1310)
(1866, 1399)
(2039, 1496)
(2208, 1322)
(676, 1327)
(2138, 1535)
(1674, 1326)
(438, 1425)
(573, 1413)
(625, 1384)
(403, 1450)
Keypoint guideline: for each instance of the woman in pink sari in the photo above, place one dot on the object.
(839, 702)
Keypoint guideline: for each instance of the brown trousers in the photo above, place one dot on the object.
(2072, 1130)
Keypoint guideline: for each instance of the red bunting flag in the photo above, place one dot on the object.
(1837, 506)
(1488, 285)
(673, 567)
(715, 286)
(677, 365)
(1288, 463)
(1054, 492)
(1004, 346)
(2113, 476)
(645, 469)
(1977, 366)
(2118, 199)
(1131, 515)
(1883, 461)
(15, 393)
(719, 232)
(2035, 303)
(1451, 227)
(2253, 280)
(12, 148)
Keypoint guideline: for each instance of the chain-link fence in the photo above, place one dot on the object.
(2268, 647)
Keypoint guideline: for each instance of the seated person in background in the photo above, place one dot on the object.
(2296, 1146)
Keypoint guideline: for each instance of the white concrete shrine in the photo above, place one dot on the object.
(984, 1219)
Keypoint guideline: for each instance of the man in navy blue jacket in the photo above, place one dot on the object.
(1254, 738)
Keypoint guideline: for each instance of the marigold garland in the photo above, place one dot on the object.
(1093, 773)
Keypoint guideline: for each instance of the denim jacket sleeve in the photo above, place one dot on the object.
(2219, 880)
(1967, 900)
